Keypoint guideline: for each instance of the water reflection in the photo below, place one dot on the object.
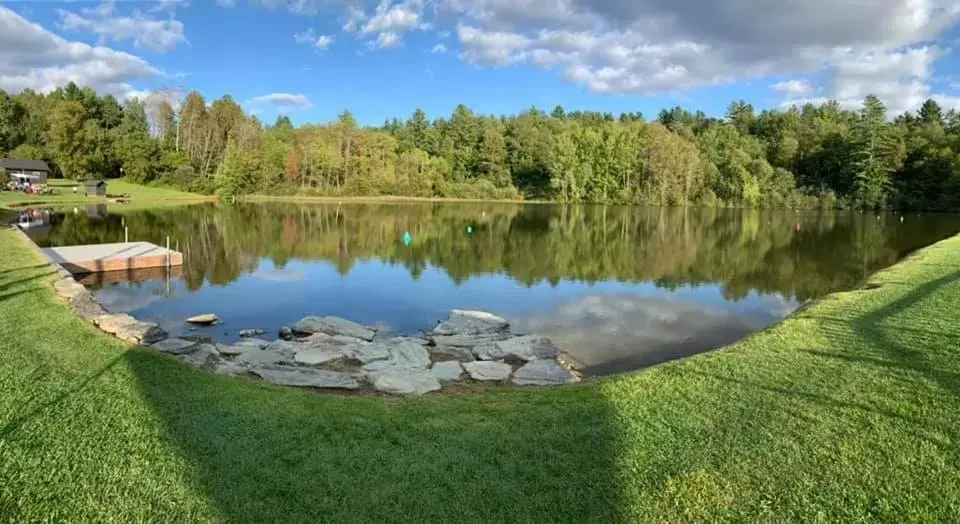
(620, 287)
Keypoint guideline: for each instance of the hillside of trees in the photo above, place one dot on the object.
(811, 156)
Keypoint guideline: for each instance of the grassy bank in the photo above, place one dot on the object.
(847, 411)
(63, 194)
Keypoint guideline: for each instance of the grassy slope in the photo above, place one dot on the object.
(64, 194)
(848, 410)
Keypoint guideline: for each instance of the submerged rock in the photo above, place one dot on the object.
(447, 371)
(205, 319)
(333, 326)
(247, 333)
(306, 377)
(544, 373)
(175, 346)
(198, 337)
(488, 370)
(462, 322)
(405, 381)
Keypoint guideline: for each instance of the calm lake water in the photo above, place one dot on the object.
(618, 287)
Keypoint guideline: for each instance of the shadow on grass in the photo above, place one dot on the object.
(910, 347)
(262, 453)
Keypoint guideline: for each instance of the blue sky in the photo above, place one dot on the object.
(313, 58)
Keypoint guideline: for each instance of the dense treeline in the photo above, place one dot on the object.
(798, 255)
(799, 157)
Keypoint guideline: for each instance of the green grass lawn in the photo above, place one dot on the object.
(847, 411)
(63, 194)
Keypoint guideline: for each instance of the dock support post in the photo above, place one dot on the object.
(168, 252)
(126, 235)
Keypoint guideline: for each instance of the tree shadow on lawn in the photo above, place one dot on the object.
(262, 453)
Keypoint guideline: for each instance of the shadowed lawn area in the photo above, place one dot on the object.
(846, 411)
(63, 194)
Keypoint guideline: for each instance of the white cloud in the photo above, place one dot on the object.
(286, 101)
(165, 5)
(154, 34)
(297, 7)
(670, 46)
(321, 42)
(439, 48)
(396, 18)
(33, 57)
(793, 88)
(385, 40)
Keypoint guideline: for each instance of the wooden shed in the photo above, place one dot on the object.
(32, 172)
(95, 187)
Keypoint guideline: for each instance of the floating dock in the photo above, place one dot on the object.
(122, 256)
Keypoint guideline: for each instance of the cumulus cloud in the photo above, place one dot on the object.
(792, 88)
(388, 21)
(386, 40)
(310, 37)
(33, 57)
(656, 46)
(282, 101)
(154, 34)
(439, 48)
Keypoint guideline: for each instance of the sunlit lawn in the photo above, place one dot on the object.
(63, 193)
(847, 411)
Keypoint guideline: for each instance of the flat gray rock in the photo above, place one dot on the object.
(243, 346)
(333, 326)
(488, 352)
(415, 340)
(543, 373)
(470, 340)
(259, 357)
(462, 322)
(175, 346)
(367, 353)
(226, 367)
(447, 371)
(313, 356)
(141, 333)
(87, 307)
(488, 370)
(204, 356)
(400, 381)
(198, 337)
(112, 322)
(286, 347)
(68, 288)
(440, 353)
(528, 347)
(306, 377)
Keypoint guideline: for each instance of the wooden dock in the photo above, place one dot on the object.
(123, 256)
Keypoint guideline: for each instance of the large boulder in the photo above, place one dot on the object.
(306, 377)
(175, 346)
(543, 373)
(461, 322)
(333, 326)
(488, 370)
(405, 381)
(447, 371)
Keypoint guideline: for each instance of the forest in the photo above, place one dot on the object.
(800, 157)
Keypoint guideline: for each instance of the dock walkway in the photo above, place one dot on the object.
(122, 256)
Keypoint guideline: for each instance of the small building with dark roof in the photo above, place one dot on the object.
(95, 187)
(26, 171)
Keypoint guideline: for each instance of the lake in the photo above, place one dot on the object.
(619, 288)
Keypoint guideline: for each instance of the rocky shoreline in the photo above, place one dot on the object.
(335, 353)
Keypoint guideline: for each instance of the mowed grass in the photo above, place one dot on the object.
(63, 194)
(847, 411)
